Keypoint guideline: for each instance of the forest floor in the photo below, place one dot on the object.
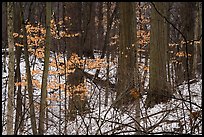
(174, 117)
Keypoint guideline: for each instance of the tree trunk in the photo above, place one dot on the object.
(159, 91)
(19, 116)
(188, 31)
(88, 24)
(200, 16)
(127, 74)
(10, 104)
(45, 70)
(29, 78)
(100, 28)
(127, 85)
(107, 55)
(18, 119)
(197, 33)
(168, 6)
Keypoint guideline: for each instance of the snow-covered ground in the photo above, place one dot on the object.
(170, 118)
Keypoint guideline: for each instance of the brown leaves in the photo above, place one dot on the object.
(19, 45)
(135, 93)
(15, 35)
(37, 71)
(146, 68)
(194, 115)
(36, 83)
(20, 83)
(95, 63)
(36, 43)
(143, 37)
(79, 89)
(182, 54)
(39, 53)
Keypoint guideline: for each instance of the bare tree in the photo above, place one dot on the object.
(10, 104)
(19, 114)
(28, 73)
(45, 71)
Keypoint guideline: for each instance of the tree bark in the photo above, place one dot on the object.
(188, 31)
(107, 55)
(159, 90)
(45, 70)
(100, 28)
(88, 24)
(19, 115)
(197, 33)
(10, 104)
(127, 62)
(200, 16)
(29, 77)
(127, 85)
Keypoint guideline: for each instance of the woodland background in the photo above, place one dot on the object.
(101, 68)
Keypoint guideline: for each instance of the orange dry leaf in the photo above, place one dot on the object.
(182, 54)
(52, 21)
(18, 45)
(60, 22)
(51, 72)
(33, 72)
(51, 99)
(21, 83)
(80, 89)
(70, 70)
(21, 36)
(36, 83)
(53, 85)
(135, 93)
(146, 68)
(31, 50)
(43, 31)
(68, 35)
(15, 35)
(17, 83)
(66, 18)
(39, 53)
(62, 33)
(32, 39)
(77, 34)
(62, 86)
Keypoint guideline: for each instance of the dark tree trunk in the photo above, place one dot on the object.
(159, 89)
